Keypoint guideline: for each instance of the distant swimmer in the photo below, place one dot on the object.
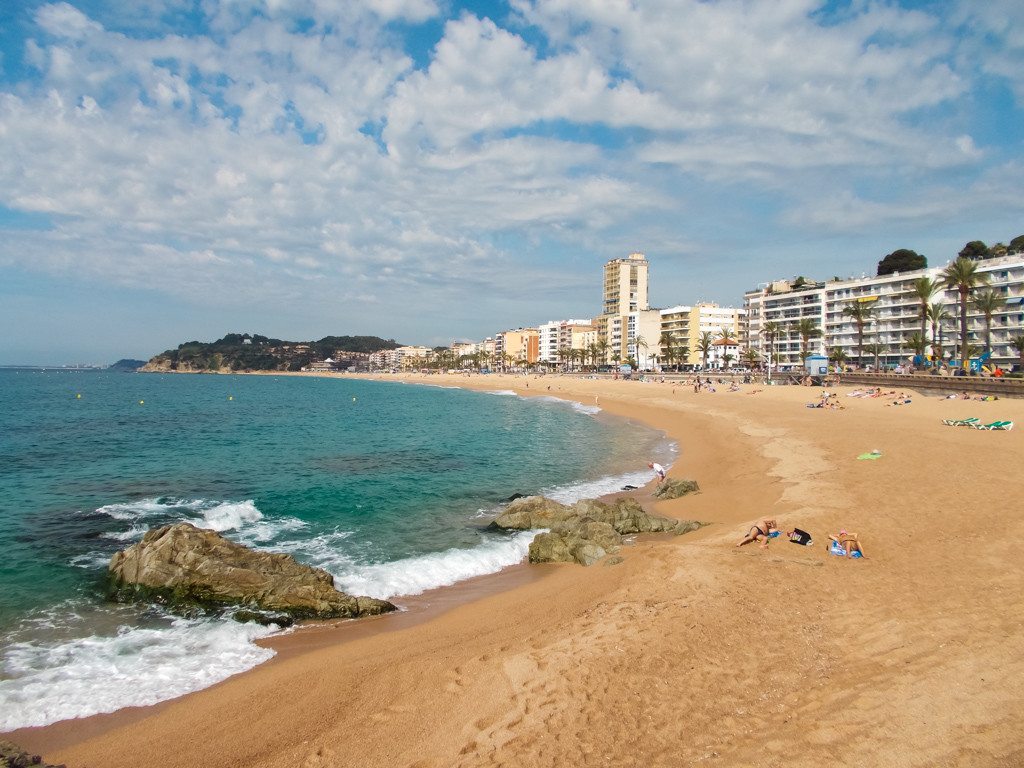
(658, 470)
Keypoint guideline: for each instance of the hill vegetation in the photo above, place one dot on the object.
(252, 352)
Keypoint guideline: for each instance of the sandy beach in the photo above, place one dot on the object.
(690, 651)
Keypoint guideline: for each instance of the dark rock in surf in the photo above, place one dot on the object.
(189, 568)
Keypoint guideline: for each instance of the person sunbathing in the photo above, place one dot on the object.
(760, 531)
(849, 542)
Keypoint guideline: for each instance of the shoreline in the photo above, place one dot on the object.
(696, 650)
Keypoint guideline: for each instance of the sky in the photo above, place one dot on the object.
(433, 170)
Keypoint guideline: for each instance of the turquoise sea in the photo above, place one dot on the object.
(388, 486)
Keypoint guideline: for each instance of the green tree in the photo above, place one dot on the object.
(923, 289)
(963, 275)
(860, 313)
(937, 315)
(602, 350)
(751, 358)
(1016, 245)
(902, 260)
(771, 330)
(667, 345)
(1017, 342)
(838, 356)
(807, 330)
(640, 343)
(975, 250)
(917, 343)
(988, 303)
(704, 345)
(876, 350)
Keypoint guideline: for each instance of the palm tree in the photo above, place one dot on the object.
(602, 350)
(727, 358)
(923, 289)
(1017, 342)
(988, 303)
(937, 315)
(875, 349)
(838, 356)
(917, 343)
(963, 275)
(860, 312)
(807, 329)
(640, 343)
(771, 330)
(751, 358)
(592, 354)
(667, 345)
(704, 345)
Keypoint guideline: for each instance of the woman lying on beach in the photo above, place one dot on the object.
(762, 530)
(849, 542)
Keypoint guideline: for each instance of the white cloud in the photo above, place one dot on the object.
(292, 162)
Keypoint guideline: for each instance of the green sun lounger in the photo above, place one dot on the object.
(1005, 425)
(960, 422)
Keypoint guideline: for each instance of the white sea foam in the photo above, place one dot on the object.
(591, 489)
(230, 516)
(590, 410)
(220, 516)
(47, 682)
(440, 569)
(502, 393)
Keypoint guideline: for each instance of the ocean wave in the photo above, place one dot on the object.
(590, 410)
(415, 575)
(219, 516)
(502, 393)
(48, 682)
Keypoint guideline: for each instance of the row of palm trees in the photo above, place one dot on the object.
(962, 275)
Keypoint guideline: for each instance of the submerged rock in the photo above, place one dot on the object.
(188, 568)
(673, 489)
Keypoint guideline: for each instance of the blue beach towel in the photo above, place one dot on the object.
(837, 549)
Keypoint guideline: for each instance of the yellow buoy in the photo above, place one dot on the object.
(230, 397)
(142, 402)
(78, 396)
(353, 399)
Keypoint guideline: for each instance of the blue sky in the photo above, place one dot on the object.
(431, 170)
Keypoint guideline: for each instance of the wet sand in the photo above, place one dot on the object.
(691, 651)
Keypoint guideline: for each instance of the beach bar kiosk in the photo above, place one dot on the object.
(816, 365)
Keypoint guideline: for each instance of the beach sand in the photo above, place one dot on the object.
(690, 651)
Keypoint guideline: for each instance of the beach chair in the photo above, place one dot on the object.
(1005, 425)
(960, 422)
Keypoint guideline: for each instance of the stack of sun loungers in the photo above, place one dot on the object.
(976, 423)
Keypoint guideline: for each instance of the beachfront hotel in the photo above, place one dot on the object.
(625, 295)
(894, 314)
(684, 325)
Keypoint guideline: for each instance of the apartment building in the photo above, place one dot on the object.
(521, 344)
(684, 324)
(625, 294)
(561, 334)
(784, 304)
(893, 315)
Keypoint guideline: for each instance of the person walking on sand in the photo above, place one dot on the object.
(658, 470)
(760, 531)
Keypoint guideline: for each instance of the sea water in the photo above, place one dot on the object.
(387, 486)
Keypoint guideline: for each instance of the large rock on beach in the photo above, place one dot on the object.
(584, 542)
(188, 567)
(13, 756)
(673, 489)
(529, 512)
(586, 531)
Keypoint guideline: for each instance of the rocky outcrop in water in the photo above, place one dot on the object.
(586, 531)
(188, 568)
(13, 756)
